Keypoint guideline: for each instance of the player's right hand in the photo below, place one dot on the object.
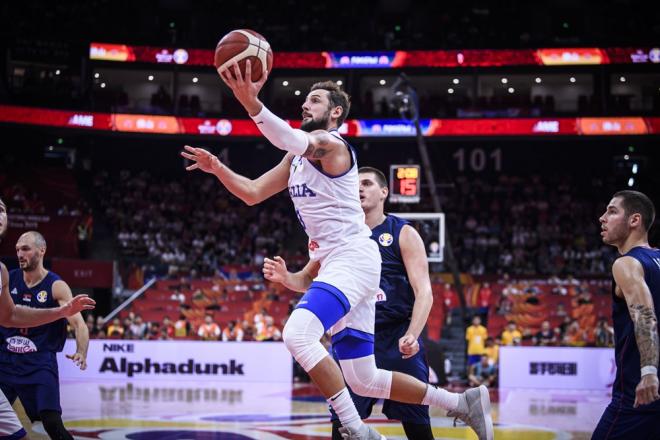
(77, 304)
(275, 270)
(203, 159)
(647, 390)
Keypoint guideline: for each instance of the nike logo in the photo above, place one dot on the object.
(260, 122)
(337, 396)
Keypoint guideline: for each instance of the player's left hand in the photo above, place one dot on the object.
(244, 89)
(77, 304)
(78, 359)
(408, 346)
(647, 390)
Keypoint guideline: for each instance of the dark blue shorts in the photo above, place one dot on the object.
(619, 422)
(388, 357)
(33, 378)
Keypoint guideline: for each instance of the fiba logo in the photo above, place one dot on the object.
(180, 56)
(654, 55)
(42, 296)
(385, 239)
(223, 127)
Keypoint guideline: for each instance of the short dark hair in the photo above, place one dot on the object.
(635, 202)
(380, 177)
(336, 96)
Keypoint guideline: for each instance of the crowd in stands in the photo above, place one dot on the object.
(552, 312)
(190, 225)
(263, 328)
(527, 226)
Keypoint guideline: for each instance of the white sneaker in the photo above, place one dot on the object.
(365, 432)
(474, 410)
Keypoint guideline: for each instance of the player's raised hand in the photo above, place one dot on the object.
(408, 346)
(243, 88)
(202, 159)
(78, 359)
(275, 270)
(77, 304)
(647, 390)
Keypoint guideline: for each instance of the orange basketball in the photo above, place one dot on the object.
(241, 45)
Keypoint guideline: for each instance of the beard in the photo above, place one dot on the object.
(32, 264)
(316, 124)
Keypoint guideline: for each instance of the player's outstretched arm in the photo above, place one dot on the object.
(629, 276)
(62, 294)
(317, 145)
(19, 316)
(414, 258)
(275, 270)
(250, 191)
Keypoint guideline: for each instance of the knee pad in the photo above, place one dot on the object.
(365, 378)
(52, 421)
(302, 335)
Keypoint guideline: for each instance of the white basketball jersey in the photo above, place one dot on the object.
(328, 207)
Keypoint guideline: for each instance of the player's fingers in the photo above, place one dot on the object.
(263, 78)
(279, 259)
(192, 167)
(189, 148)
(237, 73)
(69, 356)
(248, 71)
(189, 156)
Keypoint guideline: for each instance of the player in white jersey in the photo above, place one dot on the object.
(18, 316)
(320, 172)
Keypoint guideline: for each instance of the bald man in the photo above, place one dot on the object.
(20, 316)
(28, 362)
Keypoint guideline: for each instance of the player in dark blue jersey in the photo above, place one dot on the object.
(28, 362)
(403, 306)
(634, 412)
(19, 316)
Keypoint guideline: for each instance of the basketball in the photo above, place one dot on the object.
(241, 45)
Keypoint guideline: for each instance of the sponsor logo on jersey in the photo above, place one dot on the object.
(20, 344)
(381, 295)
(42, 296)
(313, 245)
(14, 291)
(301, 191)
(385, 239)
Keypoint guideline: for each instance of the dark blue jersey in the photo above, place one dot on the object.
(395, 307)
(626, 352)
(45, 338)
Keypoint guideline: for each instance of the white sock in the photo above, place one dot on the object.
(345, 409)
(439, 397)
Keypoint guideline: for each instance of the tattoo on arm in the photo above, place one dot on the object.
(646, 333)
(319, 150)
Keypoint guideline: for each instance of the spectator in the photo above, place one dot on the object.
(476, 336)
(483, 373)
(177, 295)
(167, 328)
(545, 336)
(181, 327)
(603, 334)
(511, 335)
(492, 350)
(115, 330)
(138, 328)
(484, 298)
(575, 336)
(209, 330)
(232, 332)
